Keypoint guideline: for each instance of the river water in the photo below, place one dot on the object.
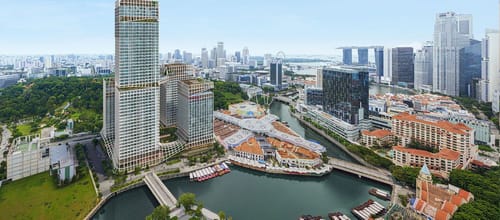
(248, 195)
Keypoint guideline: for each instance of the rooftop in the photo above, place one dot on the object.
(250, 146)
(444, 153)
(379, 133)
(459, 128)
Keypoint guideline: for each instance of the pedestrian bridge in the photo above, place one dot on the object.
(159, 190)
(361, 171)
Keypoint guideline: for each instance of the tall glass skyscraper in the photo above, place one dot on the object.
(136, 86)
(402, 66)
(345, 94)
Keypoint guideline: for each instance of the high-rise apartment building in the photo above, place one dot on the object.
(171, 74)
(345, 94)
(319, 78)
(452, 32)
(276, 72)
(403, 66)
(195, 118)
(136, 88)
(387, 65)
(490, 65)
(423, 68)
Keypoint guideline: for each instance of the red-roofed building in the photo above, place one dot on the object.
(377, 137)
(442, 215)
(439, 134)
(442, 162)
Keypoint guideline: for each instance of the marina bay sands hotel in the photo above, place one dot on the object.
(363, 56)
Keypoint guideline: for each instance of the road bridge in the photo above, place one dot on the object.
(159, 190)
(361, 171)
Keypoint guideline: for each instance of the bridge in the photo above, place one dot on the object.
(282, 99)
(159, 190)
(361, 171)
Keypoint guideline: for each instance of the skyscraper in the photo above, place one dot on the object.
(363, 56)
(347, 56)
(319, 78)
(204, 58)
(195, 118)
(452, 32)
(402, 66)
(237, 54)
(221, 56)
(171, 74)
(423, 68)
(379, 60)
(246, 56)
(470, 68)
(490, 65)
(276, 71)
(137, 92)
(345, 94)
(387, 65)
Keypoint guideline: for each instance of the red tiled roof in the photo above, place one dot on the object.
(457, 200)
(441, 215)
(444, 153)
(250, 146)
(446, 125)
(420, 205)
(464, 194)
(449, 154)
(423, 195)
(379, 133)
(449, 207)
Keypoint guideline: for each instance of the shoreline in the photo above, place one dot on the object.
(270, 171)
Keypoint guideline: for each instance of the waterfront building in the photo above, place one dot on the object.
(345, 93)
(294, 156)
(437, 201)
(452, 32)
(276, 72)
(334, 124)
(250, 150)
(195, 113)
(441, 163)
(379, 137)
(436, 133)
(171, 75)
(403, 66)
(469, 68)
(423, 68)
(314, 96)
(28, 156)
(108, 125)
(137, 91)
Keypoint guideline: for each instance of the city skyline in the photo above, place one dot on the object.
(53, 27)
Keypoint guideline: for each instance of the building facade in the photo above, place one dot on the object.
(137, 91)
(378, 137)
(470, 68)
(171, 75)
(403, 66)
(436, 133)
(452, 32)
(276, 72)
(195, 114)
(442, 162)
(423, 68)
(490, 65)
(345, 94)
(334, 124)
(314, 96)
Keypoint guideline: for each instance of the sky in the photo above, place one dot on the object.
(314, 27)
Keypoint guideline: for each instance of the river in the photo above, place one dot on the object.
(248, 195)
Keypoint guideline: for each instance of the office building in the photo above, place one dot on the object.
(490, 64)
(314, 96)
(379, 61)
(452, 32)
(187, 57)
(347, 56)
(195, 116)
(319, 78)
(204, 58)
(345, 94)
(470, 68)
(237, 54)
(137, 92)
(344, 129)
(387, 65)
(276, 72)
(171, 75)
(245, 56)
(423, 68)
(403, 66)
(436, 133)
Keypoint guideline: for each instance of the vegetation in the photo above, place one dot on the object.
(416, 145)
(485, 148)
(160, 213)
(324, 157)
(404, 199)
(406, 175)
(3, 170)
(45, 200)
(168, 135)
(363, 152)
(50, 101)
(227, 93)
(485, 188)
(474, 106)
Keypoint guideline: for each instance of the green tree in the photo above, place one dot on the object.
(160, 213)
(187, 200)
(222, 215)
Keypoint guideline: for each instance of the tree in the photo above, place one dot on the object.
(222, 215)
(187, 200)
(160, 213)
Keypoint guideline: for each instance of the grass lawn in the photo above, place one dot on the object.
(25, 129)
(37, 197)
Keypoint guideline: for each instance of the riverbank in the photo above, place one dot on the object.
(280, 170)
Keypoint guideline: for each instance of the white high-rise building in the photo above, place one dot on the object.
(220, 54)
(246, 56)
(387, 65)
(490, 64)
(268, 58)
(452, 32)
(136, 86)
(204, 57)
(319, 78)
(423, 68)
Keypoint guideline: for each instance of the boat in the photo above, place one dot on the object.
(368, 209)
(338, 216)
(379, 194)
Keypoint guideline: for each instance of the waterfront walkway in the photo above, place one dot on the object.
(361, 171)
